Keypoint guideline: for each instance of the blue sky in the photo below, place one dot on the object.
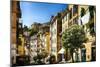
(39, 12)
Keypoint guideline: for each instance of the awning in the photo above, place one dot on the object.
(62, 51)
(85, 18)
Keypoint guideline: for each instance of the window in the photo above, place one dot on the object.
(53, 49)
(19, 41)
(91, 10)
(65, 18)
(19, 26)
(70, 14)
(70, 23)
(82, 12)
(62, 20)
(75, 9)
(75, 20)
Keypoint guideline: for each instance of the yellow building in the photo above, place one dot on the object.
(21, 46)
(47, 42)
(45, 37)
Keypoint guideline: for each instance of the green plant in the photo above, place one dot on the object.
(73, 37)
(40, 55)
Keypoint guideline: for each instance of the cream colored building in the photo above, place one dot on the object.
(55, 37)
(79, 14)
(33, 47)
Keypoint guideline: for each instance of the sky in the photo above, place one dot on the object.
(39, 12)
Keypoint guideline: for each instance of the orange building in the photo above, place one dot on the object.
(15, 16)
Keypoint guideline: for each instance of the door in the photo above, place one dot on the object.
(83, 54)
(93, 53)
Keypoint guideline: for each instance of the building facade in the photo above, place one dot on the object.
(81, 15)
(33, 47)
(15, 16)
(55, 37)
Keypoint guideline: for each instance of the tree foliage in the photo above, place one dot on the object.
(32, 32)
(40, 55)
(73, 37)
(25, 28)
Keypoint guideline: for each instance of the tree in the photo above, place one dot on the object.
(34, 28)
(73, 37)
(40, 55)
(32, 32)
(25, 28)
